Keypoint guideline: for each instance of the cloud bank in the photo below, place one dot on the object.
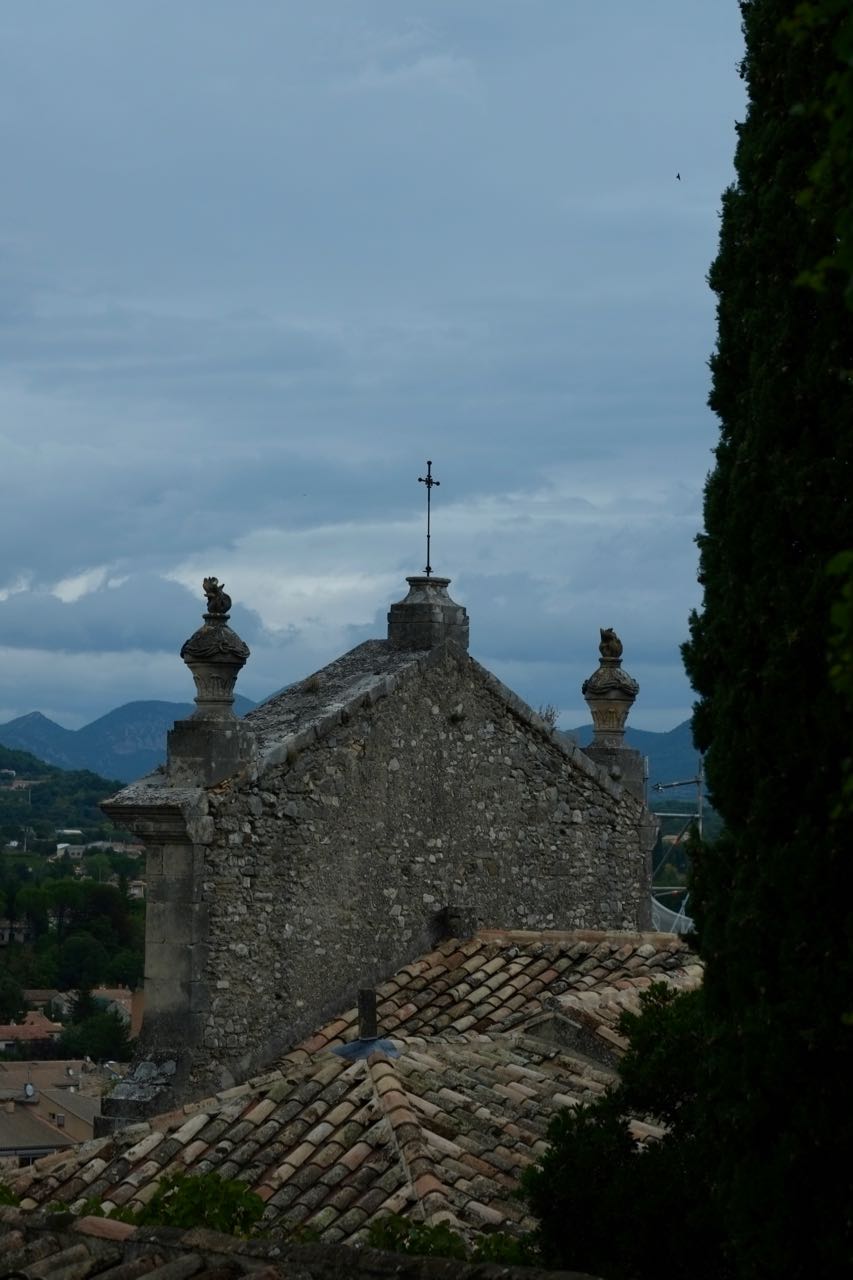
(256, 266)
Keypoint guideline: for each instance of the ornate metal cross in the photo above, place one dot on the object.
(429, 482)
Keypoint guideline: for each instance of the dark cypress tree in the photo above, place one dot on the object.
(775, 897)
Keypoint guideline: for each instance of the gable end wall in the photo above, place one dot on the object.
(333, 868)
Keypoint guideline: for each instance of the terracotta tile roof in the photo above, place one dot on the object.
(495, 1035)
(34, 1027)
(23, 1131)
(44, 1245)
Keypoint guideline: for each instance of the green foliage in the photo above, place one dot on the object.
(831, 106)
(582, 1188)
(660, 1075)
(197, 1200)
(84, 1005)
(82, 963)
(549, 713)
(101, 1036)
(404, 1235)
(12, 1003)
(841, 664)
(604, 1203)
(506, 1250)
(58, 798)
(773, 898)
(7, 1196)
(83, 933)
(126, 967)
(397, 1234)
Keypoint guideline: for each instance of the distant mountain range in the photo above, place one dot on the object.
(131, 741)
(125, 743)
(672, 755)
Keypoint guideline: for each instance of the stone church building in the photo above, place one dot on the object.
(399, 796)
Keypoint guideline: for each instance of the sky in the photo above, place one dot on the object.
(259, 261)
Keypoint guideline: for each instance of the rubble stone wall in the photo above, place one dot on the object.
(337, 866)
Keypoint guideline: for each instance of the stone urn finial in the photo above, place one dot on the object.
(609, 693)
(215, 654)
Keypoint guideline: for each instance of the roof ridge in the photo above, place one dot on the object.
(427, 1190)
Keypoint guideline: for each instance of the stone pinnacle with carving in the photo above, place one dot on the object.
(609, 692)
(215, 655)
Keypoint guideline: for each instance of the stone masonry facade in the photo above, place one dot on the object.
(434, 801)
(397, 797)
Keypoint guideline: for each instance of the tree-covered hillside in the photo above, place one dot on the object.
(56, 798)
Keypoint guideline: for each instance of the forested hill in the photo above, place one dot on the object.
(126, 743)
(672, 756)
(57, 798)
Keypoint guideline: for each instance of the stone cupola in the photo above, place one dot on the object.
(427, 617)
(212, 743)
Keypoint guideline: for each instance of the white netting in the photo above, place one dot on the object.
(666, 921)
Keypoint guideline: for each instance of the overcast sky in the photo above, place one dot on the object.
(259, 260)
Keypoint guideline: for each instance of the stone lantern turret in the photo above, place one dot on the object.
(212, 743)
(610, 693)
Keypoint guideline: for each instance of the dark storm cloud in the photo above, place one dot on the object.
(143, 613)
(255, 267)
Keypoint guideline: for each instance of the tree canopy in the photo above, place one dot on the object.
(752, 1075)
(773, 897)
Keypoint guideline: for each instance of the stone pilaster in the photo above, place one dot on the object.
(175, 830)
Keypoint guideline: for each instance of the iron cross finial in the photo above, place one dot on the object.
(429, 482)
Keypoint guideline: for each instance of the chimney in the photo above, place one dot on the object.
(212, 743)
(367, 1014)
(427, 617)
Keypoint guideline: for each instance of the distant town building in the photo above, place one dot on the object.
(15, 931)
(35, 1026)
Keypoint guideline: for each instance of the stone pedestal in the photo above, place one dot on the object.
(427, 616)
(202, 753)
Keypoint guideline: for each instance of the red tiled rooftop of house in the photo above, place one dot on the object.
(34, 1027)
(494, 1036)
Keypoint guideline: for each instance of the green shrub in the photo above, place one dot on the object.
(402, 1235)
(203, 1200)
(191, 1200)
(397, 1234)
(506, 1250)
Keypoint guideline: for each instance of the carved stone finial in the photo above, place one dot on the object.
(215, 654)
(609, 692)
(212, 743)
(610, 646)
(218, 601)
